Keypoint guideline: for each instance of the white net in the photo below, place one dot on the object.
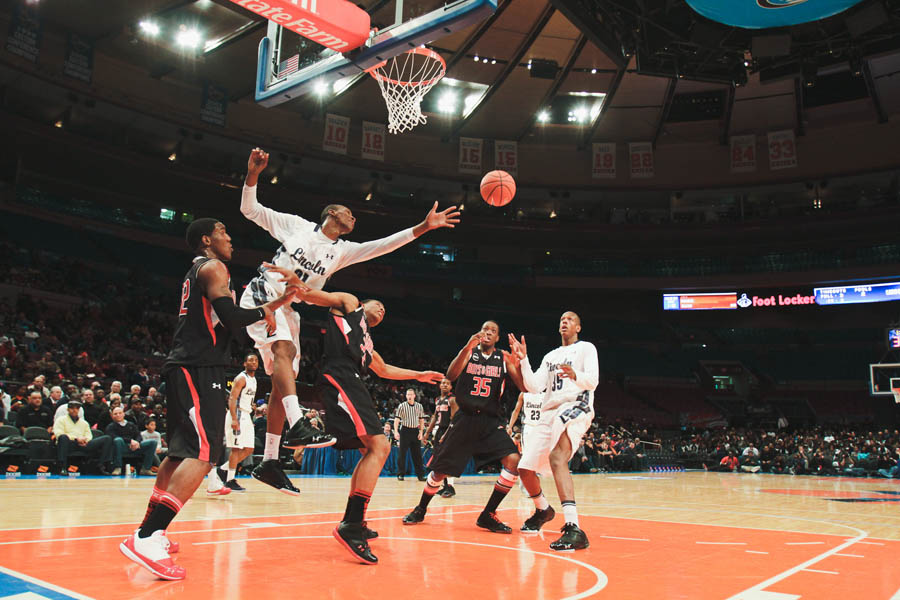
(404, 80)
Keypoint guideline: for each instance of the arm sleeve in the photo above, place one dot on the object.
(233, 317)
(590, 376)
(354, 252)
(280, 225)
(534, 382)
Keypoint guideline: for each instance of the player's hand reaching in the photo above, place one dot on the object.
(474, 341)
(290, 279)
(446, 218)
(257, 162)
(430, 377)
(567, 372)
(518, 348)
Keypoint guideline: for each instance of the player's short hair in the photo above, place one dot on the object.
(494, 322)
(367, 300)
(196, 230)
(577, 316)
(327, 209)
(249, 354)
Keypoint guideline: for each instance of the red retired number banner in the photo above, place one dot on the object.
(641, 156)
(506, 156)
(373, 136)
(337, 130)
(782, 150)
(604, 161)
(470, 155)
(743, 153)
(339, 25)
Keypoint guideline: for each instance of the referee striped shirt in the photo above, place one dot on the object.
(410, 414)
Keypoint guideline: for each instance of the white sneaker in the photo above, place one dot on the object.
(214, 484)
(152, 553)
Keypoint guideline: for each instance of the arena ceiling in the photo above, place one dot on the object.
(557, 71)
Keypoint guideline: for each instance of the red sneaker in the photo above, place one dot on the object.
(222, 491)
(174, 546)
(152, 554)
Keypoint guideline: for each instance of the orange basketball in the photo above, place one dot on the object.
(498, 188)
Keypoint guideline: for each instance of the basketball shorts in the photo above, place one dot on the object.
(196, 401)
(527, 435)
(482, 437)
(572, 419)
(246, 437)
(349, 410)
(439, 436)
(287, 328)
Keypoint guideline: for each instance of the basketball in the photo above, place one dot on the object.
(498, 188)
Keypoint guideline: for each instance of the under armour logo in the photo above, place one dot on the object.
(217, 386)
(329, 256)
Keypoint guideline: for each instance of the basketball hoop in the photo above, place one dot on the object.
(404, 80)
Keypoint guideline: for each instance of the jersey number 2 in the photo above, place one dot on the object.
(185, 294)
(482, 387)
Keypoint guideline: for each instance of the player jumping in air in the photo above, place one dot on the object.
(478, 430)
(194, 373)
(568, 376)
(315, 252)
(350, 413)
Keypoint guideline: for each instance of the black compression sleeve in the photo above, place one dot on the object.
(236, 318)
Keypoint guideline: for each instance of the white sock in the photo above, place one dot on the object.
(273, 443)
(540, 502)
(231, 473)
(570, 513)
(450, 480)
(292, 409)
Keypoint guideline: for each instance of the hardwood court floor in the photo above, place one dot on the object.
(682, 535)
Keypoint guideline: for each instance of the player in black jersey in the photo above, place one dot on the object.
(478, 429)
(350, 413)
(195, 388)
(444, 409)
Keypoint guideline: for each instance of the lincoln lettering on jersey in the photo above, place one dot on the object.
(484, 370)
(302, 261)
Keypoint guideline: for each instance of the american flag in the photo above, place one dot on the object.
(289, 66)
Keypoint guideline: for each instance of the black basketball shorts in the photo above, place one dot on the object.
(349, 410)
(482, 437)
(196, 402)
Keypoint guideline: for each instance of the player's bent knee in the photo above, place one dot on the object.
(283, 349)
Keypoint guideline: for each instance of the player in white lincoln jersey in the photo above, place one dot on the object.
(239, 432)
(529, 407)
(568, 376)
(315, 252)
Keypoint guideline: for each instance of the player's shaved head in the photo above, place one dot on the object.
(572, 314)
(328, 210)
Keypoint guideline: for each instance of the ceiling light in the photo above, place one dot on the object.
(476, 58)
(529, 64)
(447, 103)
(274, 180)
(321, 88)
(173, 157)
(368, 196)
(58, 124)
(493, 61)
(553, 214)
(543, 116)
(581, 113)
(485, 61)
(593, 71)
(187, 38)
(149, 27)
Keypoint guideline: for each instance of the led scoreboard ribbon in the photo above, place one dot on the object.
(719, 301)
(857, 294)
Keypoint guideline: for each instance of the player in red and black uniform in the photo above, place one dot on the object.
(478, 430)
(195, 389)
(444, 409)
(350, 413)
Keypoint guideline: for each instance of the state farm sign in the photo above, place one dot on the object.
(335, 24)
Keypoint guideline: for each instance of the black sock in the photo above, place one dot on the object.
(161, 515)
(494, 501)
(424, 500)
(356, 507)
(505, 482)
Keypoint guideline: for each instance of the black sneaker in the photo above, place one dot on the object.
(371, 534)
(271, 473)
(447, 491)
(234, 486)
(572, 538)
(222, 473)
(490, 522)
(416, 516)
(534, 523)
(304, 435)
(352, 536)
(399, 477)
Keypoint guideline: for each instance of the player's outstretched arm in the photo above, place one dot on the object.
(280, 225)
(386, 371)
(355, 253)
(342, 301)
(462, 359)
(213, 276)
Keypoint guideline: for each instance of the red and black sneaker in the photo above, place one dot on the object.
(490, 522)
(417, 515)
(371, 534)
(152, 553)
(353, 537)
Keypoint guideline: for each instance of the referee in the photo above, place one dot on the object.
(409, 423)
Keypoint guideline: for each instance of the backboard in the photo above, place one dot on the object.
(882, 376)
(290, 65)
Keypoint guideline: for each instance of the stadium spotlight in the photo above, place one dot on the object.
(321, 88)
(149, 27)
(543, 116)
(493, 61)
(581, 114)
(553, 214)
(187, 38)
(593, 71)
(476, 58)
(447, 103)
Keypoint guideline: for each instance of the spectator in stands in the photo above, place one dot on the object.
(62, 407)
(315, 420)
(105, 417)
(34, 414)
(38, 384)
(159, 415)
(72, 431)
(750, 459)
(140, 379)
(892, 471)
(19, 398)
(150, 433)
(127, 443)
(5, 403)
(47, 364)
(728, 464)
(93, 406)
(136, 413)
(56, 398)
(115, 387)
(259, 420)
(626, 460)
(605, 455)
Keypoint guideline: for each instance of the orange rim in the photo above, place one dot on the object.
(373, 71)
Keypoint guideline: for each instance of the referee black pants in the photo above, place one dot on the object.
(409, 441)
